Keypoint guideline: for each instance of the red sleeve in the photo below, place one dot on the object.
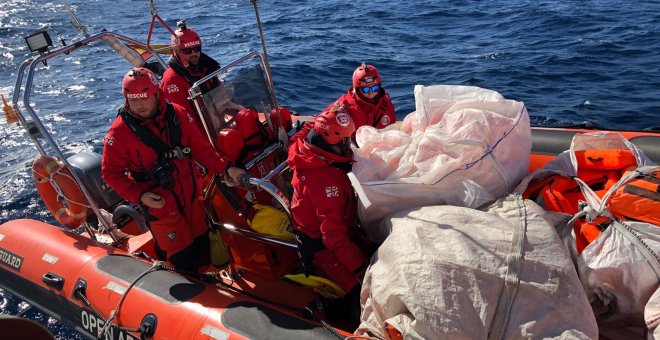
(175, 89)
(114, 163)
(199, 145)
(330, 199)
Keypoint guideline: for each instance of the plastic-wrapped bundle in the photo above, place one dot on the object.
(463, 146)
(450, 272)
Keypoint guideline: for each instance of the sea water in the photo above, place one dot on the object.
(590, 63)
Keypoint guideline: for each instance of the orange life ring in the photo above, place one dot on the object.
(70, 211)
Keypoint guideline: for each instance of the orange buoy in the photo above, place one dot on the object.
(71, 211)
(10, 114)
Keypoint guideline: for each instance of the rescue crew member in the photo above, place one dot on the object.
(187, 65)
(323, 203)
(148, 159)
(367, 101)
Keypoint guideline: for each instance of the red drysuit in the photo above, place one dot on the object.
(323, 206)
(127, 160)
(178, 79)
(363, 112)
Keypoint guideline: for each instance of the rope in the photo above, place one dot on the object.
(158, 265)
(59, 191)
(331, 330)
(57, 188)
(84, 299)
(215, 278)
(208, 277)
(580, 214)
(512, 275)
(585, 211)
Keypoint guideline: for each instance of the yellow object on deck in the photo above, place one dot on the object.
(272, 222)
(321, 285)
(219, 250)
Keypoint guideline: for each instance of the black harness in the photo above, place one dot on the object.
(165, 151)
(206, 65)
(161, 173)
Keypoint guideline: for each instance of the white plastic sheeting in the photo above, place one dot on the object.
(652, 315)
(619, 270)
(463, 145)
(449, 272)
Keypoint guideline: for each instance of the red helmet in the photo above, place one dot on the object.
(365, 75)
(140, 82)
(230, 143)
(185, 37)
(286, 118)
(247, 123)
(334, 125)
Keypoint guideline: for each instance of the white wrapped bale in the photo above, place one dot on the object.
(449, 272)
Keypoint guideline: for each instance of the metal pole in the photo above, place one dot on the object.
(281, 134)
(263, 45)
(47, 137)
(14, 103)
(154, 17)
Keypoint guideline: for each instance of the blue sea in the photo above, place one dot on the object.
(589, 63)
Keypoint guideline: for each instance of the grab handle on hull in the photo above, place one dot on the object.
(80, 291)
(148, 325)
(53, 280)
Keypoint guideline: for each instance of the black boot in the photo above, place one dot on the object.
(345, 310)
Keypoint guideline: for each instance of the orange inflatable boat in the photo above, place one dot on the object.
(98, 271)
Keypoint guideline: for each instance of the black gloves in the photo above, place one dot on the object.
(244, 180)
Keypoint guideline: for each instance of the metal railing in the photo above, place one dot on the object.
(196, 95)
(260, 184)
(37, 123)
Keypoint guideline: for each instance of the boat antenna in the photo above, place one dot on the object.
(74, 20)
(281, 133)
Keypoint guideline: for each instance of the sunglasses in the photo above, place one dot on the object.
(191, 50)
(373, 89)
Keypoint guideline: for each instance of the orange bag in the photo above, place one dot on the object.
(600, 170)
(639, 199)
